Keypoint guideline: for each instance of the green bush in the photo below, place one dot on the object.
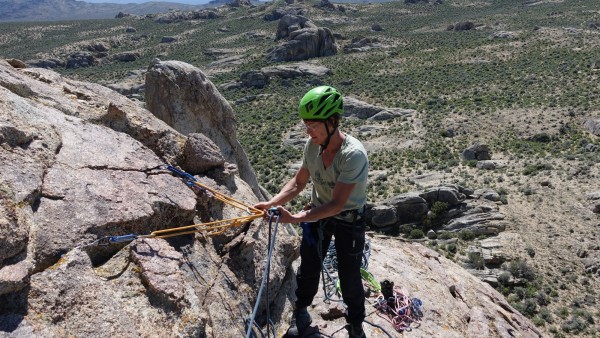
(546, 315)
(538, 321)
(476, 260)
(416, 234)
(504, 278)
(451, 248)
(574, 325)
(520, 269)
(436, 215)
(466, 235)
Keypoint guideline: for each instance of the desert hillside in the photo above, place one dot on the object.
(497, 99)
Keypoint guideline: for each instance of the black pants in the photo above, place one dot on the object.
(349, 245)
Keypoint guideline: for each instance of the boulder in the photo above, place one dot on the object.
(289, 71)
(449, 195)
(168, 39)
(381, 215)
(304, 44)
(279, 13)
(80, 60)
(254, 79)
(126, 56)
(592, 125)
(183, 97)
(376, 27)
(98, 46)
(289, 23)
(362, 44)
(410, 207)
(16, 63)
(240, 3)
(201, 154)
(363, 110)
(46, 63)
(477, 151)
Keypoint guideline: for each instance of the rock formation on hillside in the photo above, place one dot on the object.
(182, 96)
(79, 162)
(305, 40)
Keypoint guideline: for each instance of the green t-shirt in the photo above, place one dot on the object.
(350, 165)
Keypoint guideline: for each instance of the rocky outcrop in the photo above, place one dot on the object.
(305, 40)
(475, 211)
(365, 111)
(182, 96)
(72, 171)
(592, 125)
(240, 3)
(260, 79)
(280, 12)
(126, 56)
(477, 151)
(290, 71)
(178, 16)
(290, 23)
(462, 26)
(362, 44)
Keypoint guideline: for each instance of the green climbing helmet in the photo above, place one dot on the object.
(320, 103)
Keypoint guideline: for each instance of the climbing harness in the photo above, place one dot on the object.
(213, 228)
(398, 308)
(250, 323)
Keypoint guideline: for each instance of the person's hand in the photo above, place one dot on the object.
(262, 205)
(285, 216)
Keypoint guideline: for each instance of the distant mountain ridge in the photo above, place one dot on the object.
(52, 10)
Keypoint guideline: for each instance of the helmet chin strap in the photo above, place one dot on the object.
(329, 134)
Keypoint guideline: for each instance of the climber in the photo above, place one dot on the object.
(338, 165)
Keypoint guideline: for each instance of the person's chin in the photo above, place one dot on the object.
(314, 140)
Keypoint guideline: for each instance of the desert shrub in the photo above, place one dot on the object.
(538, 321)
(520, 269)
(451, 248)
(546, 315)
(466, 235)
(476, 260)
(574, 325)
(446, 235)
(542, 299)
(504, 278)
(529, 307)
(436, 215)
(416, 233)
(562, 312)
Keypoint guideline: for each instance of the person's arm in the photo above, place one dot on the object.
(341, 193)
(290, 190)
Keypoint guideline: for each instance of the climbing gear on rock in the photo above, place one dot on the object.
(212, 228)
(397, 308)
(301, 320)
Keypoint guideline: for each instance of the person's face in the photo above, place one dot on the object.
(316, 131)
